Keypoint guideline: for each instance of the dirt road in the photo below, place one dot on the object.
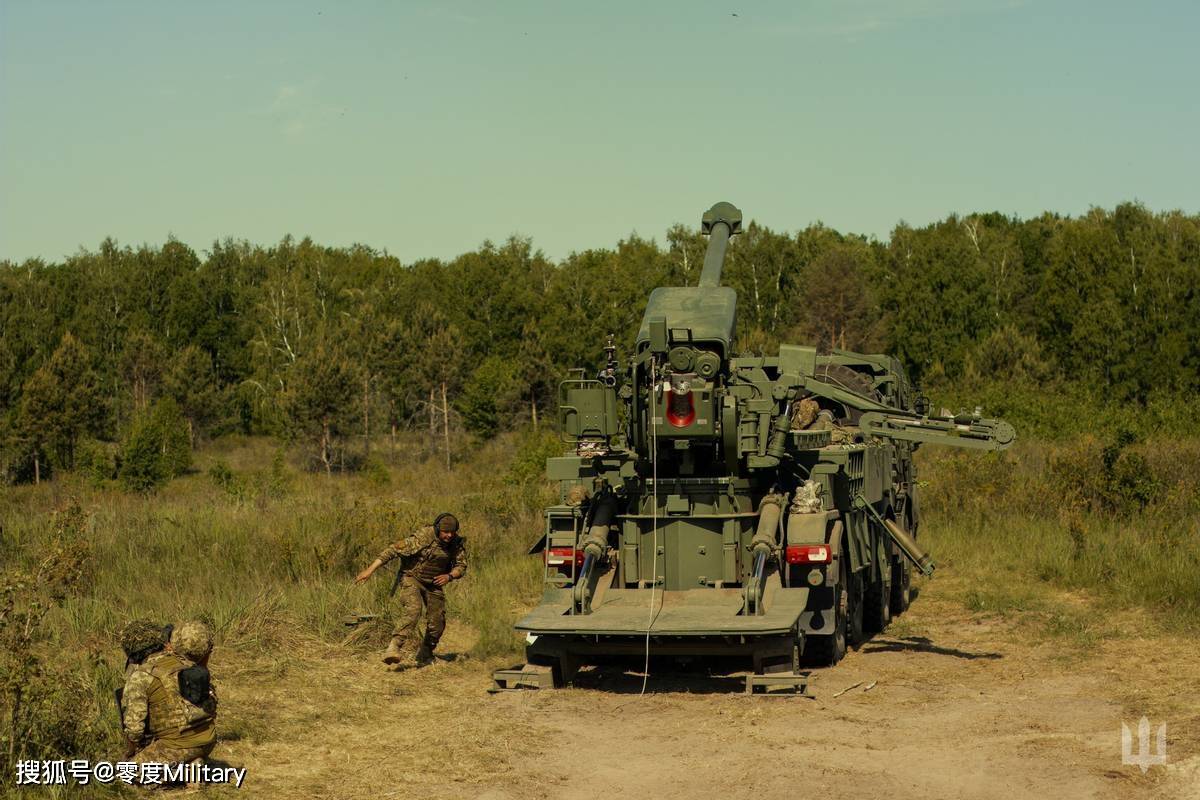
(963, 706)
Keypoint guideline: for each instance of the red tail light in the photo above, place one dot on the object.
(561, 556)
(808, 554)
(680, 409)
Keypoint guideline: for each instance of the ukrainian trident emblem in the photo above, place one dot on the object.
(1145, 756)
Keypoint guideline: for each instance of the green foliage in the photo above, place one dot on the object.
(157, 448)
(529, 461)
(315, 395)
(279, 479)
(1068, 323)
(1109, 479)
(376, 471)
(59, 403)
(1011, 355)
(97, 461)
(190, 381)
(490, 396)
(1120, 519)
(836, 307)
(228, 481)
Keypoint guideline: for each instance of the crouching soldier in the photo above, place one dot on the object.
(429, 559)
(168, 705)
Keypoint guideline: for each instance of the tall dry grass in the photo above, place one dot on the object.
(1116, 518)
(267, 552)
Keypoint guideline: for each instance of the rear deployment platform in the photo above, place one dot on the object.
(711, 613)
(693, 622)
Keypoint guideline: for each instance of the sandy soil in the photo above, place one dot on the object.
(962, 706)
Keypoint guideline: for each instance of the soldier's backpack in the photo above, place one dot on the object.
(195, 684)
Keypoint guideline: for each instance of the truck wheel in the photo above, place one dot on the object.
(844, 377)
(828, 650)
(901, 585)
(854, 610)
(879, 596)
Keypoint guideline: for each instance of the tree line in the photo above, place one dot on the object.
(332, 346)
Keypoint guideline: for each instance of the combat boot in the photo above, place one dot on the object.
(395, 651)
(424, 654)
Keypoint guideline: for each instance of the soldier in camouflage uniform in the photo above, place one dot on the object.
(161, 724)
(429, 559)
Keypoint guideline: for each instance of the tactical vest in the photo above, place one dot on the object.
(431, 561)
(173, 719)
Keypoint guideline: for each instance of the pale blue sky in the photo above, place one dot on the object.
(425, 128)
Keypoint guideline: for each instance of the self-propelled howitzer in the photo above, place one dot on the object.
(732, 505)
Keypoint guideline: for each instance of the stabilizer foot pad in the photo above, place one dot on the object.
(530, 676)
(797, 681)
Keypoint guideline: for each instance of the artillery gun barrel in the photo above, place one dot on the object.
(719, 222)
(714, 258)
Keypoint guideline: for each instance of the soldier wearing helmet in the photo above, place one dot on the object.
(193, 641)
(430, 558)
(168, 707)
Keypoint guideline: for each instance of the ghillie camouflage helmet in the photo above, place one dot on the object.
(577, 495)
(141, 637)
(193, 640)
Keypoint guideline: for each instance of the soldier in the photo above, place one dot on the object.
(168, 708)
(194, 642)
(429, 559)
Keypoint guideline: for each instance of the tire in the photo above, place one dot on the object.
(844, 377)
(901, 585)
(827, 650)
(878, 611)
(855, 634)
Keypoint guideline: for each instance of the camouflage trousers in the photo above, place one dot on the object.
(416, 595)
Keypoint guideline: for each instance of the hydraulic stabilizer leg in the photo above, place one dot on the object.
(763, 545)
(595, 547)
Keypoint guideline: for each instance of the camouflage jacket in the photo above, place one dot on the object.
(424, 556)
(153, 708)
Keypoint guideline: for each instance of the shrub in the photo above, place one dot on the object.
(529, 461)
(376, 471)
(97, 461)
(157, 448)
(225, 479)
(1109, 479)
(279, 481)
(47, 697)
(490, 398)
